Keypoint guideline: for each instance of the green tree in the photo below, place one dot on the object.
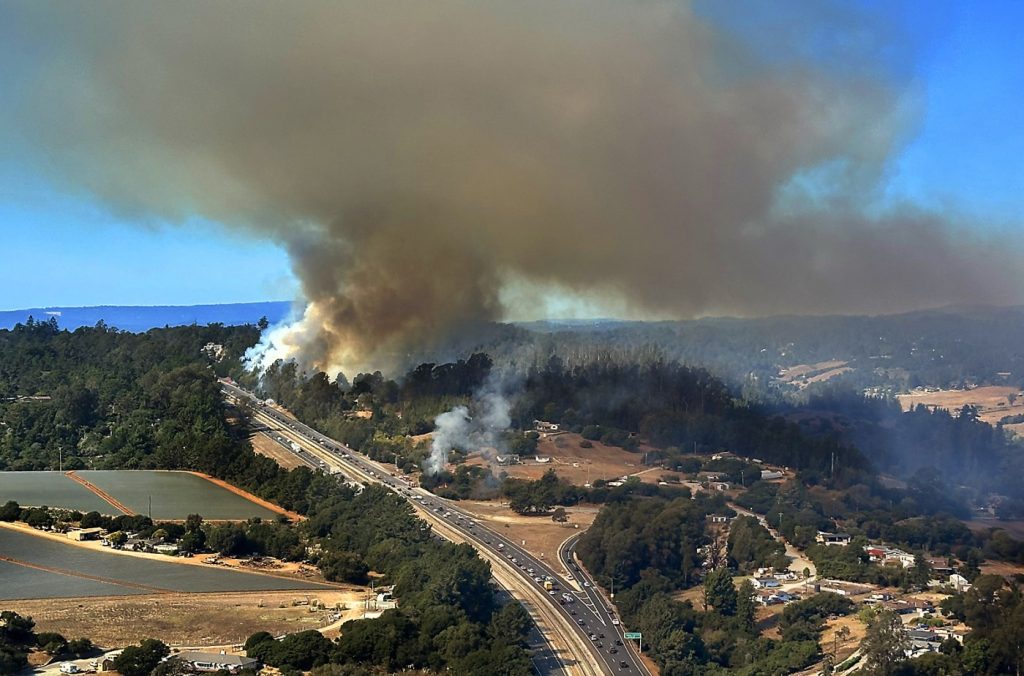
(720, 591)
(11, 511)
(81, 646)
(884, 645)
(344, 567)
(746, 607)
(142, 659)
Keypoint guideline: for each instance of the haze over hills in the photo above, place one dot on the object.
(137, 318)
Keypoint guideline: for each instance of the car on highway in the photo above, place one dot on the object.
(623, 665)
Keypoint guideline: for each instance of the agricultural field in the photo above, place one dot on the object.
(174, 495)
(32, 566)
(51, 489)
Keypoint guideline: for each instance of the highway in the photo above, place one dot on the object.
(573, 617)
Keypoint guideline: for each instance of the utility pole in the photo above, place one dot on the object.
(151, 508)
(60, 458)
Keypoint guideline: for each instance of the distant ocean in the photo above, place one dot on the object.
(144, 317)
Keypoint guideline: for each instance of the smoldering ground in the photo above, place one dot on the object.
(424, 162)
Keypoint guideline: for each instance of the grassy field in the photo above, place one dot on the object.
(39, 567)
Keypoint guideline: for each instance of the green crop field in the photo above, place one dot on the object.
(174, 495)
(162, 495)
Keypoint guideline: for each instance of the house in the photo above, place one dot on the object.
(772, 598)
(721, 486)
(765, 583)
(959, 582)
(889, 555)
(717, 518)
(545, 427)
(722, 456)
(81, 534)
(832, 539)
(506, 460)
(771, 475)
(204, 661)
(921, 641)
(542, 459)
(166, 548)
(940, 567)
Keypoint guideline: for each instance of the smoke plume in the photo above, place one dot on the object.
(479, 429)
(429, 165)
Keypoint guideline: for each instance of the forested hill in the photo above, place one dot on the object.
(140, 318)
(118, 400)
(946, 347)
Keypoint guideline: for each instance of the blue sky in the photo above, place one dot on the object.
(965, 60)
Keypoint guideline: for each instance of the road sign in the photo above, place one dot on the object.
(635, 635)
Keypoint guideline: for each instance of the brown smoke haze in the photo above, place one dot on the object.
(420, 161)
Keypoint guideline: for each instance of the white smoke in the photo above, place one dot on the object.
(459, 430)
(452, 430)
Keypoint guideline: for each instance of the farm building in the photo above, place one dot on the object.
(203, 661)
(85, 534)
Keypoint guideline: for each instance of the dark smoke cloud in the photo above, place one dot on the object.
(420, 159)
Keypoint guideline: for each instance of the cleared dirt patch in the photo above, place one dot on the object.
(843, 647)
(543, 536)
(188, 619)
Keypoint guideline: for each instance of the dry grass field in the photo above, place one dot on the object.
(573, 462)
(993, 402)
(543, 536)
(218, 619)
(264, 445)
(803, 375)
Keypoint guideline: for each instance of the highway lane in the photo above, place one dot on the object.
(601, 608)
(585, 626)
